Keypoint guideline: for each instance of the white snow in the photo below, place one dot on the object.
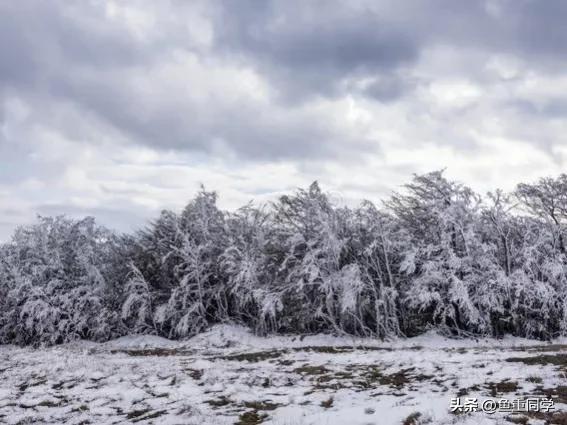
(218, 376)
(141, 341)
(234, 337)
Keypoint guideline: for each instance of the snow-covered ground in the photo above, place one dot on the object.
(228, 376)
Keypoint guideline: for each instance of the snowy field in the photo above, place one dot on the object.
(228, 376)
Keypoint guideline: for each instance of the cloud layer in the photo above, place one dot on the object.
(119, 109)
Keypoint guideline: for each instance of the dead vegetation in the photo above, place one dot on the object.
(143, 414)
(219, 402)
(558, 359)
(328, 402)
(413, 419)
(262, 405)
(558, 393)
(518, 419)
(311, 370)
(251, 417)
(151, 352)
(498, 388)
(254, 357)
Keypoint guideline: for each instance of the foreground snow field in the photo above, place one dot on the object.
(228, 376)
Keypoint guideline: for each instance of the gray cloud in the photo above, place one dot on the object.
(389, 88)
(42, 40)
(547, 108)
(74, 53)
(309, 47)
(295, 89)
(244, 128)
(121, 218)
(80, 57)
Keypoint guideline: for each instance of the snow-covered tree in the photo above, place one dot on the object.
(175, 288)
(250, 264)
(379, 246)
(547, 199)
(436, 256)
(58, 282)
(440, 216)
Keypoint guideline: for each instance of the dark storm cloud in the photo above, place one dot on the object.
(310, 47)
(241, 128)
(72, 54)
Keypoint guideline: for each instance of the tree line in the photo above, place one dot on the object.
(434, 255)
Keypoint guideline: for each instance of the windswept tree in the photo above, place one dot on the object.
(547, 200)
(440, 216)
(437, 256)
(320, 288)
(250, 263)
(379, 246)
(58, 278)
(541, 306)
(178, 259)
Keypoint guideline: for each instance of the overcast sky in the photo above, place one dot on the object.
(120, 109)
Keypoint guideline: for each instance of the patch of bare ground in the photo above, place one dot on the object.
(254, 357)
(558, 393)
(144, 414)
(415, 418)
(331, 349)
(311, 370)
(327, 403)
(467, 390)
(518, 419)
(34, 382)
(397, 379)
(196, 374)
(543, 359)
(251, 417)
(549, 418)
(219, 402)
(360, 378)
(505, 386)
(261, 405)
(558, 418)
(543, 348)
(153, 352)
(274, 354)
